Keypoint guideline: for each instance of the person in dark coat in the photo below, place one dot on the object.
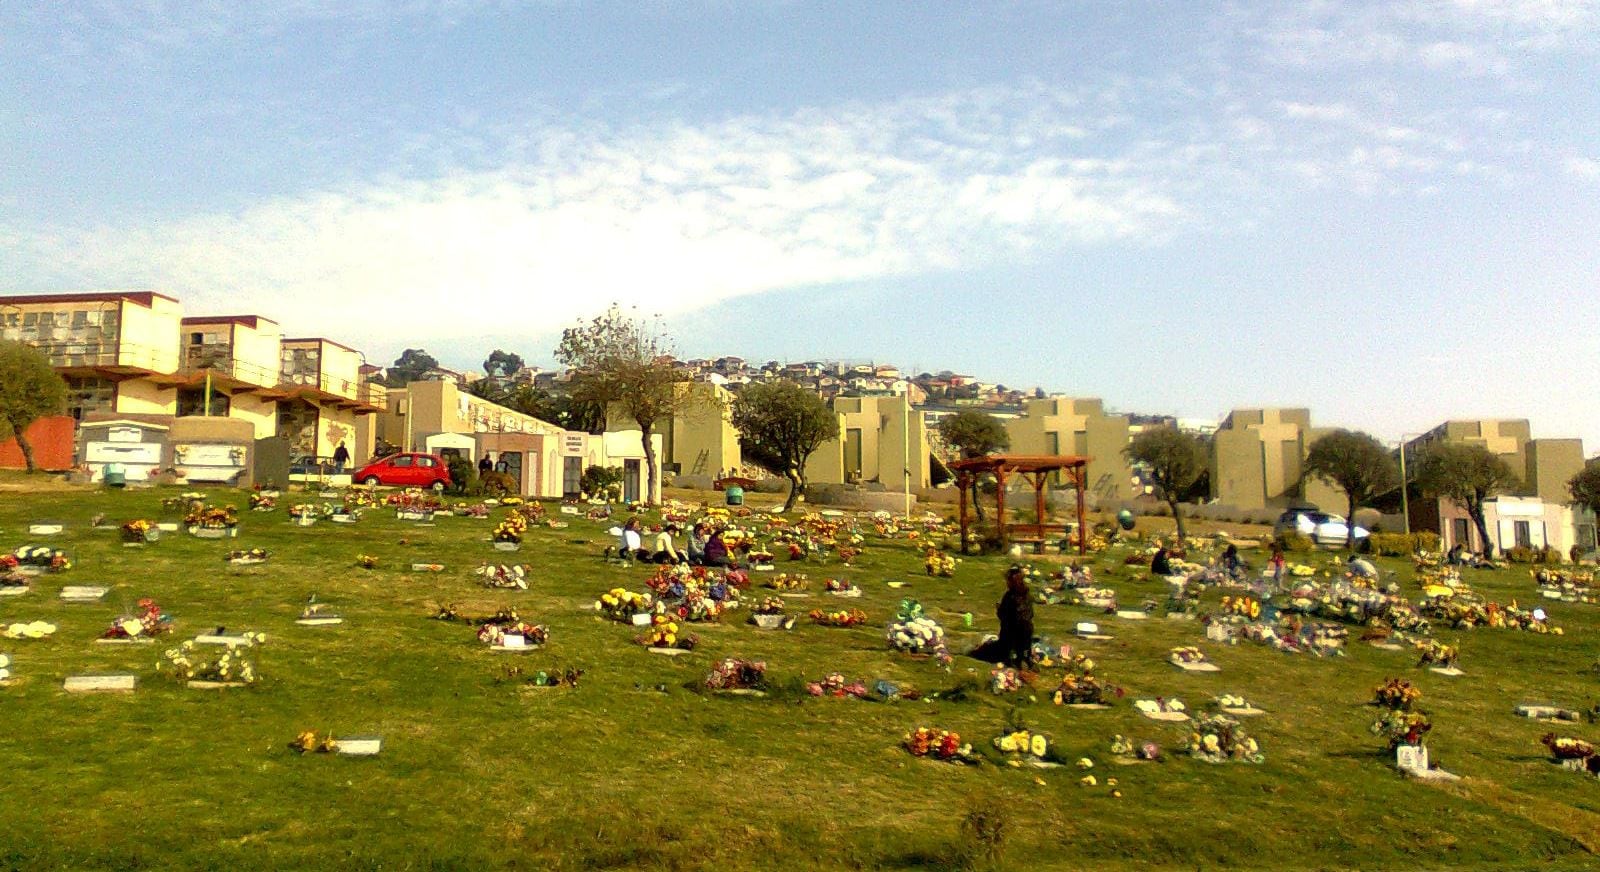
(341, 456)
(716, 553)
(485, 466)
(1161, 564)
(1015, 611)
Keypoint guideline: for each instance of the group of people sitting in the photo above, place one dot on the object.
(704, 546)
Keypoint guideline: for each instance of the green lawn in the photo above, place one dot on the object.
(614, 774)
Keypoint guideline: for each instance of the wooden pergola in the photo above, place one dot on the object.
(1036, 470)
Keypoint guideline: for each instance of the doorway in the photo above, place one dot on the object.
(630, 481)
(571, 477)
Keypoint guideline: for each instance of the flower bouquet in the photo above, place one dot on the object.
(505, 577)
(1161, 709)
(663, 636)
(1122, 746)
(1437, 655)
(212, 522)
(448, 612)
(148, 623)
(623, 605)
(508, 533)
(227, 667)
(837, 686)
(1026, 746)
(505, 631)
(367, 561)
(840, 587)
(39, 558)
(916, 633)
(1233, 704)
(848, 554)
(734, 675)
(307, 742)
(262, 503)
(246, 557)
(139, 532)
(1219, 738)
(939, 564)
(1399, 727)
(414, 505)
(552, 679)
(1085, 690)
(1574, 753)
(303, 514)
(1098, 598)
(786, 583)
(1190, 659)
(1247, 608)
(937, 744)
(470, 510)
(1003, 680)
(29, 630)
(841, 618)
(768, 614)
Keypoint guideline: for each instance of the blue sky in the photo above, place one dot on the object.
(1387, 212)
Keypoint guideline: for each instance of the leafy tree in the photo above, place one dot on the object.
(1357, 464)
(624, 365)
(560, 409)
(410, 366)
(502, 364)
(485, 388)
(1175, 460)
(1468, 475)
(29, 390)
(974, 434)
(782, 424)
(1585, 486)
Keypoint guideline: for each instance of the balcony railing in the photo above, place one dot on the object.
(223, 363)
(80, 354)
(327, 384)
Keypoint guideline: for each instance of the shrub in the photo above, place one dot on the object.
(1392, 544)
(498, 484)
(599, 479)
(1294, 542)
(463, 475)
(1428, 540)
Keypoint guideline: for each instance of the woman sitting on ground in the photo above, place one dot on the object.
(1015, 611)
(697, 545)
(662, 550)
(716, 553)
(1161, 564)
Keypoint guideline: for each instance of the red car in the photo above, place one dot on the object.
(406, 470)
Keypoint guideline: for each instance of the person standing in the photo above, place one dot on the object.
(485, 465)
(341, 456)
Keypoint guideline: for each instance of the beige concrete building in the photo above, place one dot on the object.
(881, 439)
(134, 353)
(701, 438)
(547, 461)
(1544, 465)
(1079, 426)
(1258, 458)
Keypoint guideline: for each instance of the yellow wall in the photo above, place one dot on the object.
(262, 414)
(334, 426)
(1080, 426)
(1258, 459)
(701, 438)
(882, 422)
(341, 368)
(257, 349)
(150, 337)
(141, 397)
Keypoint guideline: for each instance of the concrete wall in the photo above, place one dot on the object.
(139, 396)
(260, 413)
(150, 335)
(1258, 461)
(1080, 426)
(1551, 463)
(701, 438)
(257, 348)
(883, 426)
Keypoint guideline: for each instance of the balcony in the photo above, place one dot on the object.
(219, 361)
(103, 357)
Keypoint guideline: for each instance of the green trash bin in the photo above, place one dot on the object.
(115, 475)
(735, 495)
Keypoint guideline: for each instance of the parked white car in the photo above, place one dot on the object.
(1321, 527)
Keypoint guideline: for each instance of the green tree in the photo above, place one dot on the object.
(409, 367)
(974, 434)
(781, 424)
(1174, 461)
(1585, 486)
(502, 364)
(29, 390)
(1468, 475)
(1357, 464)
(624, 365)
(485, 388)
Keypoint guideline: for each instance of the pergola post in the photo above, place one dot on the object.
(1000, 507)
(1083, 531)
(963, 482)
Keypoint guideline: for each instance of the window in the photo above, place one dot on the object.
(1523, 534)
(403, 461)
(192, 403)
(425, 462)
(87, 395)
(1461, 532)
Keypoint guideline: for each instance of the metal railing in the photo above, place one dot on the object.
(220, 362)
(80, 353)
(328, 384)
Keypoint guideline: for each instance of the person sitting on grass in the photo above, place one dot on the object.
(1360, 567)
(630, 541)
(716, 552)
(696, 546)
(661, 548)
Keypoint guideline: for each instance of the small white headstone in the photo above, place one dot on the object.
(1218, 632)
(319, 621)
(1411, 757)
(641, 619)
(230, 641)
(43, 529)
(13, 589)
(359, 746)
(119, 682)
(1131, 614)
(78, 593)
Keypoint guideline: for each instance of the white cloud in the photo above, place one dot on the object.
(1583, 167)
(669, 219)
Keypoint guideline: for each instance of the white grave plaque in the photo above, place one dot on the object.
(115, 683)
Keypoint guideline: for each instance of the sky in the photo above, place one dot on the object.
(1386, 212)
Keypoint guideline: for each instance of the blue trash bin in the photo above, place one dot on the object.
(735, 495)
(115, 475)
